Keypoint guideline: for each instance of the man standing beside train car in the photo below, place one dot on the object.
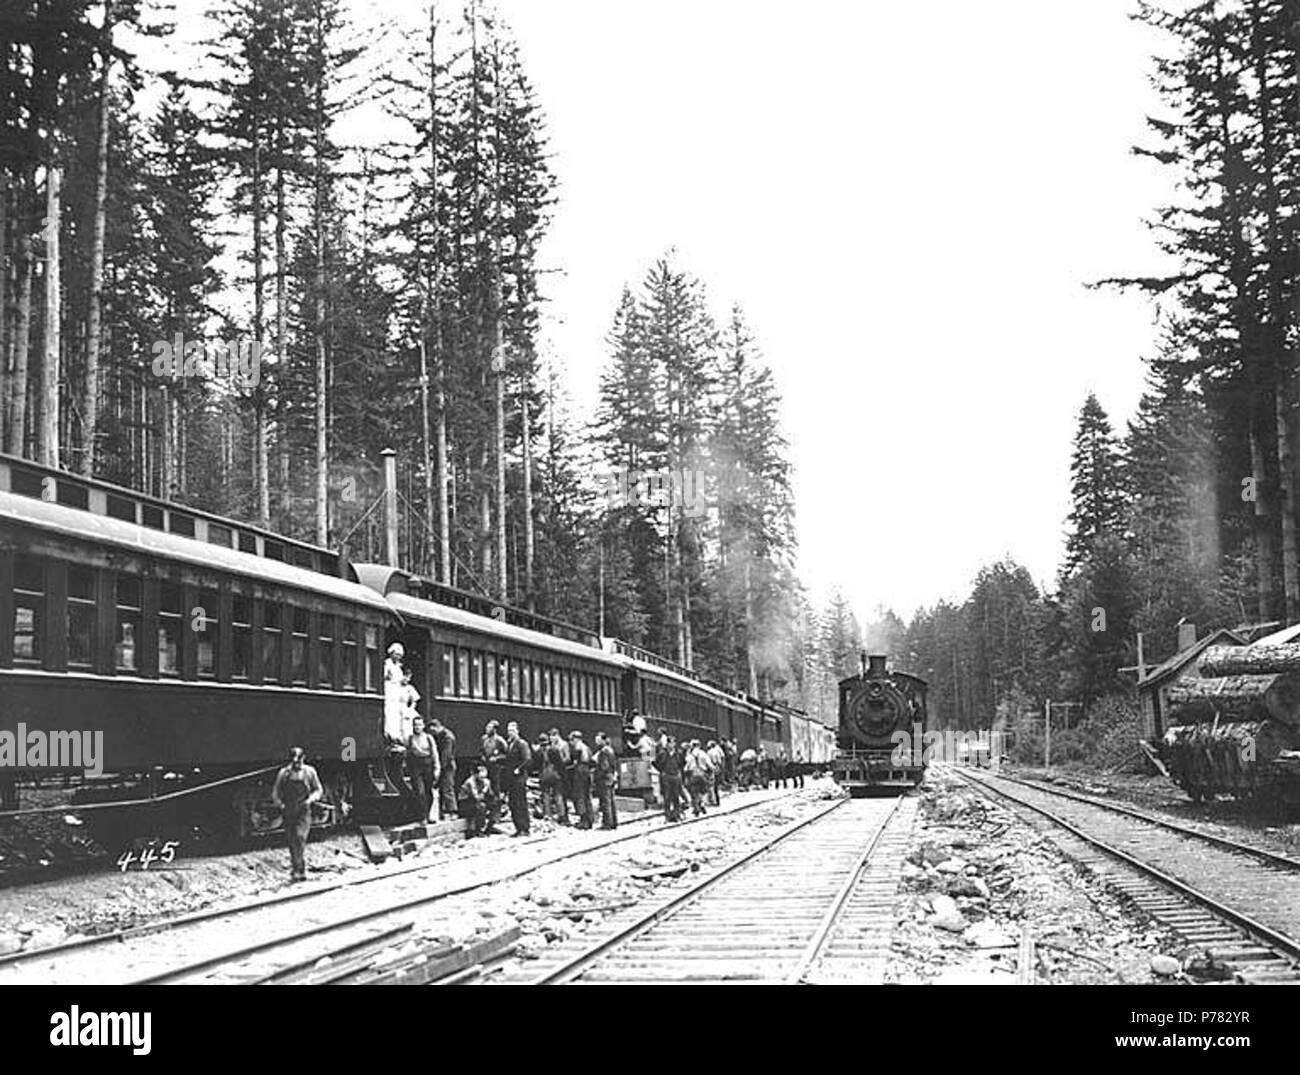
(493, 753)
(446, 740)
(670, 778)
(698, 766)
(580, 764)
(422, 764)
(514, 776)
(606, 781)
(296, 787)
(555, 759)
(717, 757)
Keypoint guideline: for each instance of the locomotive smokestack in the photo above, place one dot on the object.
(390, 506)
(876, 665)
(862, 660)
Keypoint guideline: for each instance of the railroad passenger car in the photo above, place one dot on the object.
(198, 649)
(880, 741)
(203, 648)
(475, 660)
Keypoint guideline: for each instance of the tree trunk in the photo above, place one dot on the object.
(322, 359)
(261, 464)
(47, 442)
(6, 340)
(90, 388)
(1274, 328)
(529, 535)
(751, 676)
(277, 430)
(1265, 546)
(16, 432)
(1286, 496)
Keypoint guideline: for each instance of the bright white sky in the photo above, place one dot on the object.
(907, 199)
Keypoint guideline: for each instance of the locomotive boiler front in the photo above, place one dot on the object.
(875, 707)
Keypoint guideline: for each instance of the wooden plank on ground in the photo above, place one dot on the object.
(432, 969)
(377, 845)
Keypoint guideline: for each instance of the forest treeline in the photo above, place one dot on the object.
(1189, 514)
(394, 288)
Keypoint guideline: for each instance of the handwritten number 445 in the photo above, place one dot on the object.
(148, 856)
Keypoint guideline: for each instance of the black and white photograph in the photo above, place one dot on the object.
(696, 493)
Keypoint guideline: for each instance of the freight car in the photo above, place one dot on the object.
(792, 733)
(881, 728)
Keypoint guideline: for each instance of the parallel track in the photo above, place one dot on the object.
(813, 903)
(1240, 903)
(288, 928)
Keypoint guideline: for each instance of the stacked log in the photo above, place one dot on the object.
(1229, 726)
(1236, 697)
(1262, 658)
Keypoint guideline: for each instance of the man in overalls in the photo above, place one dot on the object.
(296, 788)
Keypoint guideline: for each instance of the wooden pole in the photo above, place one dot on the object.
(1047, 738)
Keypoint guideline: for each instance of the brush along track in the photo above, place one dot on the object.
(815, 902)
(250, 941)
(1240, 903)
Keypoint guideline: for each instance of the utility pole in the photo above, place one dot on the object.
(1047, 738)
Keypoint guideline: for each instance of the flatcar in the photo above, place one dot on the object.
(882, 722)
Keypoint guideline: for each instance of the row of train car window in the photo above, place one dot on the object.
(32, 484)
(668, 704)
(473, 673)
(36, 611)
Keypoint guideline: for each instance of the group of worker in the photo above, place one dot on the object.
(568, 771)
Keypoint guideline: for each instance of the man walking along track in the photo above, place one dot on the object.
(296, 787)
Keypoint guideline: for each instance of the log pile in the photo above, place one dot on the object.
(1237, 697)
(1233, 723)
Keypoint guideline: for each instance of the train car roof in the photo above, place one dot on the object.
(391, 582)
(419, 608)
(685, 680)
(74, 522)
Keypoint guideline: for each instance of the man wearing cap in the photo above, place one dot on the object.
(670, 778)
(478, 803)
(296, 787)
(555, 758)
(446, 740)
(518, 761)
(698, 766)
(493, 753)
(580, 765)
(717, 757)
(606, 781)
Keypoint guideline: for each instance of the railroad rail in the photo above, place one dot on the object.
(815, 902)
(1237, 902)
(287, 929)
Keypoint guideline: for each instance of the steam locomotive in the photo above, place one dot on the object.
(881, 729)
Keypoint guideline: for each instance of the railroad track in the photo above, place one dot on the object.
(257, 940)
(1240, 903)
(814, 903)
